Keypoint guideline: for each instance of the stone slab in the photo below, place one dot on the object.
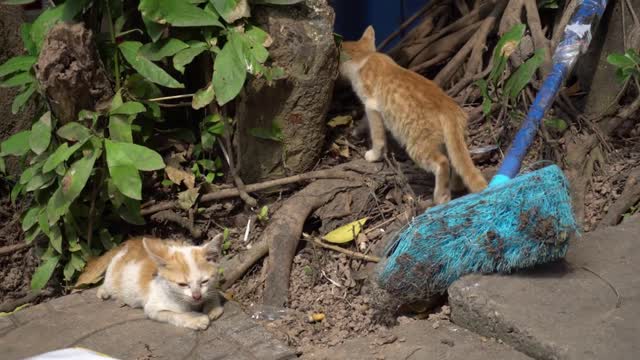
(418, 340)
(125, 333)
(586, 307)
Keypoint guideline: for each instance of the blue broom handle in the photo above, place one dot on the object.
(575, 40)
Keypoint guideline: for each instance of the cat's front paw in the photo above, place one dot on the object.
(199, 322)
(373, 155)
(216, 312)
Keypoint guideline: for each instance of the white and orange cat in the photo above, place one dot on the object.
(422, 117)
(172, 281)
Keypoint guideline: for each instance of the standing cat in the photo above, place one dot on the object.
(416, 111)
(172, 281)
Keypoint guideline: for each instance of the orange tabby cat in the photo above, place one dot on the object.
(172, 281)
(416, 111)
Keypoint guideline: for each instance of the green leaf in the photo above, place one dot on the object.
(40, 181)
(186, 56)
(29, 173)
(77, 262)
(55, 238)
(178, 13)
(557, 124)
(43, 273)
(203, 97)
(231, 10)
(505, 46)
(145, 67)
(276, 2)
(3, 166)
(17, 144)
(19, 79)
(250, 47)
(127, 179)
(120, 128)
(40, 136)
(73, 8)
(633, 55)
(44, 23)
(154, 30)
(32, 234)
(140, 157)
(129, 108)
(21, 99)
(69, 271)
(62, 153)
(76, 177)
(27, 40)
(523, 75)
(31, 217)
(620, 60)
(130, 212)
(74, 131)
(161, 49)
(17, 63)
(229, 72)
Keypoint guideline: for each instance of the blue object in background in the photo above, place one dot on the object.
(353, 16)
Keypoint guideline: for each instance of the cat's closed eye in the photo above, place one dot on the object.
(183, 284)
(204, 281)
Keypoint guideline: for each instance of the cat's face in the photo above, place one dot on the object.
(353, 52)
(191, 272)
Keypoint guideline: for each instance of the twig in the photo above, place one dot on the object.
(168, 215)
(230, 193)
(12, 305)
(164, 98)
(351, 253)
(10, 249)
(228, 154)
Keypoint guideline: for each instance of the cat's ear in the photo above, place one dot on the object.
(156, 250)
(369, 36)
(213, 249)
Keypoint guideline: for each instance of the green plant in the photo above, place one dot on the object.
(627, 64)
(84, 175)
(495, 88)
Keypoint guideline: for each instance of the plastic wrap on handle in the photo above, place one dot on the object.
(575, 41)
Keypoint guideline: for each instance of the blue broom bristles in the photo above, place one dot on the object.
(521, 223)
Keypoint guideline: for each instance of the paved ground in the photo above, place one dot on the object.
(418, 340)
(585, 308)
(84, 320)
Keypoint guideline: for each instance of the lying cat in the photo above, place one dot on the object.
(172, 281)
(418, 113)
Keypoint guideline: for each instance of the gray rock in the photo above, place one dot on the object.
(585, 308)
(303, 45)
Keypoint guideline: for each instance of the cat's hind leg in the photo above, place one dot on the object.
(378, 136)
(433, 160)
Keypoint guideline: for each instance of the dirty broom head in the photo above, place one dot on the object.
(525, 222)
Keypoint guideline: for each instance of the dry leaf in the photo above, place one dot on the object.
(176, 173)
(345, 233)
(340, 121)
(187, 198)
(91, 274)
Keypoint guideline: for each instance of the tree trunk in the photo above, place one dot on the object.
(303, 45)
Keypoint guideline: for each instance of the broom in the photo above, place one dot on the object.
(516, 222)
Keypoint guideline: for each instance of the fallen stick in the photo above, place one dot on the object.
(10, 249)
(234, 192)
(12, 305)
(339, 249)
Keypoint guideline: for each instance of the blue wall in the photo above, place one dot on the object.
(353, 16)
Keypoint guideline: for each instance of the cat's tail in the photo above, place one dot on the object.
(454, 138)
(96, 267)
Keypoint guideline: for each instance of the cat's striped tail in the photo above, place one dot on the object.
(454, 138)
(95, 269)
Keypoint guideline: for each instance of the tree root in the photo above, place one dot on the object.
(629, 197)
(12, 305)
(407, 23)
(10, 249)
(234, 192)
(169, 215)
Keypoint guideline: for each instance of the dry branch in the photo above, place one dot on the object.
(234, 192)
(629, 197)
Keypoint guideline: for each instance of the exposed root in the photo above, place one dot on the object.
(168, 215)
(630, 196)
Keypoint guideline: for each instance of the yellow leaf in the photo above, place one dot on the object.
(340, 120)
(345, 233)
(316, 317)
